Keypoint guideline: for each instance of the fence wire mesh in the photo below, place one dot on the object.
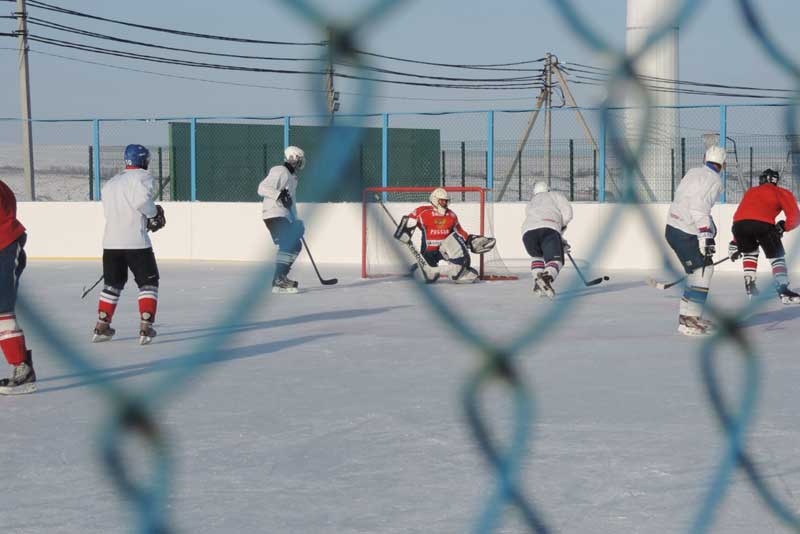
(136, 413)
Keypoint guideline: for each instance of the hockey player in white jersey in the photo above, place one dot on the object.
(130, 214)
(546, 217)
(690, 233)
(278, 190)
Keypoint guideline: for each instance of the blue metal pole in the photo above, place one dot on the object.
(723, 138)
(490, 154)
(287, 122)
(96, 157)
(601, 183)
(385, 154)
(193, 158)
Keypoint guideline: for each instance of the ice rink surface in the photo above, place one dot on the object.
(338, 410)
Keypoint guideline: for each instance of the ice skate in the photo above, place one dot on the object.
(788, 296)
(282, 284)
(22, 381)
(750, 287)
(689, 325)
(146, 333)
(103, 332)
(543, 283)
(710, 326)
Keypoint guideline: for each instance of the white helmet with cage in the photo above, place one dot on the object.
(440, 200)
(540, 187)
(295, 157)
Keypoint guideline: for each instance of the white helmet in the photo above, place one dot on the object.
(437, 195)
(295, 157)
(540, 187)
(716, 154)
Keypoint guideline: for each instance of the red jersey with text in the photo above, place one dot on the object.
(10, 227)
(764, 202)
(436, 227)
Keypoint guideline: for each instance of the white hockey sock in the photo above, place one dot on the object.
(696, 292)
(779, 271)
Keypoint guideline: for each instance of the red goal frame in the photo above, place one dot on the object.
(367, 192)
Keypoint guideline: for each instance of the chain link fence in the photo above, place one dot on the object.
(231, 155)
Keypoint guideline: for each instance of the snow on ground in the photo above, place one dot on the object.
(338, 410)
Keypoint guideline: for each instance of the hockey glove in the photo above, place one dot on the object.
(285, 199)
(733, 251)
(781, 228)
(707, 245)
(480, 244)
(158, 221)
(403, 232)
(566, 246)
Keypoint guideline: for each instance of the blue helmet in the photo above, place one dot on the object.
(137, 156)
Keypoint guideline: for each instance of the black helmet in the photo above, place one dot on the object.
(769, 176)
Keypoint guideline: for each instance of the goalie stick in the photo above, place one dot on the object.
(421, 263)
(590, 282)
(652, 282)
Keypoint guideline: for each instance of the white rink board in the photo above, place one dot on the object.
(235, 231)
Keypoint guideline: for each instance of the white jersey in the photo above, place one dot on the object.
(550, 209)
(279, 178)
(697, 193)
(127, 204)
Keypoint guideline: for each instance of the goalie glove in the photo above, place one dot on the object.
(480, 244)
(158, 221)
(403, 232)
(285, 199)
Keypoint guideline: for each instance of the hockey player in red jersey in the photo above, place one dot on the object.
(445, 245)
(754, 226)
(12, 263)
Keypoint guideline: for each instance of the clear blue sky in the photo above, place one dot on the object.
(714, 47)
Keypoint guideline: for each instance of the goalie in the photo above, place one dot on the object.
(445, 245)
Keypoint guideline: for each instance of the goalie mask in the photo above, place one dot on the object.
(769, 176)
(295, 157)
(440, 200)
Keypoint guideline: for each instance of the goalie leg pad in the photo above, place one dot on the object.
(454, 252)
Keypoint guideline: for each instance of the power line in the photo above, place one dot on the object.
(57, 9)
(261, 86)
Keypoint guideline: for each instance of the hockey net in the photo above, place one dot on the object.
(379, 249)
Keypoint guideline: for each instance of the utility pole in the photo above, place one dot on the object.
(25, 99)
(548, 120)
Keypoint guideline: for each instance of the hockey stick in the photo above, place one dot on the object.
(323, 281)
(86, 291)
(421, 262)
(664, 285)
(590, 282)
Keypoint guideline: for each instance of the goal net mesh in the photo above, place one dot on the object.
(382, 255)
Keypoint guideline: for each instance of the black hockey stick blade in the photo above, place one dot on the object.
(329, 281)
(596, 281)
(87, 291)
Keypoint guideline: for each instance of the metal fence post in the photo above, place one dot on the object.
(287, 124)
(193, 159)
(723, 135)
(519, 172)
(160, 174)
(594, 174)
(672, 172)
(385, 154)
(751, 166)
(683, 157)
(463, 170)
(601, 188)
(572, 170)
(91, 172)
(96, 144)
(490, 154)
(444, 170)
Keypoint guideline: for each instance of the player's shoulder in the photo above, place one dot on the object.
(279, 170)
(419, 210)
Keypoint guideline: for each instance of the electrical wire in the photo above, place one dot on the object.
(261, 86)
(57, 9)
